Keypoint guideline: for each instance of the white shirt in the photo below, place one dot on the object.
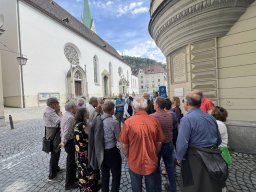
(126, 114)
(50, 117)
(223, 133)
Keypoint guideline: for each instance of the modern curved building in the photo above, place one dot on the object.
(211, 45)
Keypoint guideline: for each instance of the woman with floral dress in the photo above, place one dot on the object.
(89, 180)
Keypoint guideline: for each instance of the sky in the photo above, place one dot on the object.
(122, 23)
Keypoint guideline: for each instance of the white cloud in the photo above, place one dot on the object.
(146, 49)
(119, 8)
(139, 10)
(109, 3)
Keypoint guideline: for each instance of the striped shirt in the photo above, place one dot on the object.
(67, 127)
(166, 121)
(51, 118)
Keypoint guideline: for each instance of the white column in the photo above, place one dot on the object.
(2, 121)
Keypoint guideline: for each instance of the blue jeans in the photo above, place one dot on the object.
(136, 182)
(167, 154)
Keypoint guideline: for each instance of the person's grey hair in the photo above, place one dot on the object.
(100, 100)
(80, 102)
(69, 105)
(93, 99)
(51, 101)
(108, 106)
(198, 92)
(140, 103)
(145, 94)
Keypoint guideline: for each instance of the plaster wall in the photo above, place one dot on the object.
(10, 68)
(47, 67)
(134, 85)
(2, 122)
(237, 68)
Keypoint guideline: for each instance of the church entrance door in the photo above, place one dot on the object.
(78, 88)
(105, 80)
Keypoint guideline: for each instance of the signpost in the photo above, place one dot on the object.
(162, 91)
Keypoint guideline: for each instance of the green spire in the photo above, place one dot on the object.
(87, 18)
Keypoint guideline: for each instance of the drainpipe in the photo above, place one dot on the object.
(20, 55)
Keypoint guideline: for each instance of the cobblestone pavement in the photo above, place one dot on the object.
(24, 167)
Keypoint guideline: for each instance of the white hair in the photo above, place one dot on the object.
(69, 105)
(80, 102)
(140, 103)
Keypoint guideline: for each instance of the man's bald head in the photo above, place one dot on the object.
(198, 92)
(193, 99)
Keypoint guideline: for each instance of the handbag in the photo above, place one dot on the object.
(215, 164)
(226, 155)
(47, 143)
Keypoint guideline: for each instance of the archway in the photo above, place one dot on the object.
(106, 88)
(123, 86)
(106, 85)
(76, 81)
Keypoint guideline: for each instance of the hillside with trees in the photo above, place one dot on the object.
(138, 62)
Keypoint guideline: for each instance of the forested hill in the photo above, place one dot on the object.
(138, 62)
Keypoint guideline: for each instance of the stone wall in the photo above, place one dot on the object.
(2, 121)
(237, 68)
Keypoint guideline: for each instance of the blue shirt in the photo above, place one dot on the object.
(118, 102)
(197, 128)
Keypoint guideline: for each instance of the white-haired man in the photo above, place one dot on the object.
(67, 142)
(141, 139)
(51, 119)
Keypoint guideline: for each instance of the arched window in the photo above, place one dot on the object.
(96, 69)
(111, 73)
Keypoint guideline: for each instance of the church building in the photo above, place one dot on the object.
(66, 58)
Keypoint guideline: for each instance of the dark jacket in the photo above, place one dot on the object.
(96, 144)
(54, 134)
(150, 107)
(195, 175)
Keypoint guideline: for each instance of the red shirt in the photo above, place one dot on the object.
(142, 133)
(206, 104)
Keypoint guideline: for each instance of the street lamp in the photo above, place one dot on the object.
(22, 61)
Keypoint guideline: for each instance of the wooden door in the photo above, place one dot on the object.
(78, 88)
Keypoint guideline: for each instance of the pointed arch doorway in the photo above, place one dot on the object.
(106, 83)
(77, 85)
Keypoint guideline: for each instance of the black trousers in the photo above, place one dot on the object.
(54, 162)
(112, 162)
(71, 163)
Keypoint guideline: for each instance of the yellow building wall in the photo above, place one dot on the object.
(237, 68)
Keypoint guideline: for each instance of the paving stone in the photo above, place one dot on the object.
(24, 167)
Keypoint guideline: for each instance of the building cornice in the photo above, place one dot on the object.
(192, 21)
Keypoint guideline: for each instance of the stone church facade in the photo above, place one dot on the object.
(211, 45)
(65, 58)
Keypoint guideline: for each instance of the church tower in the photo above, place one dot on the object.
(87, 18)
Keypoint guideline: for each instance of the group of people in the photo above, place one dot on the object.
(150, 130)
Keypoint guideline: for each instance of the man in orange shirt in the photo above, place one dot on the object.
(141, 140)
